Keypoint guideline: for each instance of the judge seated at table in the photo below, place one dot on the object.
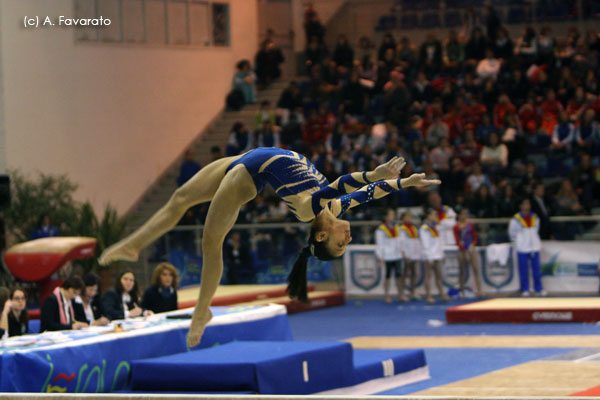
(57, 310)
(87, 306)
(122, 301)
(161, 296)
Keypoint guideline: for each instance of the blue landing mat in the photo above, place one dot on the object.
(262, 367)
(271, 368)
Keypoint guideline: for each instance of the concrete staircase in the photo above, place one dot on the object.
(215, 134)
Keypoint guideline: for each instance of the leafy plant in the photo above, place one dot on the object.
(53, 195)
(33, 197)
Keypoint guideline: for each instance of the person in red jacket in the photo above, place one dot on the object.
(466, 239)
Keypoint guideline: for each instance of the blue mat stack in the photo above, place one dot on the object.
(271, 368)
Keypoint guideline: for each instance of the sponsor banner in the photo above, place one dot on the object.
(567, 267)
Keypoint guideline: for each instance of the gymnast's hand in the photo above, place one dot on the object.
(418, 180)
(389, 170)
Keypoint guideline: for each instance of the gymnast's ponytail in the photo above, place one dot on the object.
(297, 281)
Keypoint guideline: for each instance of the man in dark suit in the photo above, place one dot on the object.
(539, 206)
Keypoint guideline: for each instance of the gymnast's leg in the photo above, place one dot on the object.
(236, 189)
(201, 188)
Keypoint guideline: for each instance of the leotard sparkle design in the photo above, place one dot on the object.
(294, 177)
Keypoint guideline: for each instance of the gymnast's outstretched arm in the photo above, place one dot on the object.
(352, 182)
(377, 190)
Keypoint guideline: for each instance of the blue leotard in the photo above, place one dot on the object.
(294, 177)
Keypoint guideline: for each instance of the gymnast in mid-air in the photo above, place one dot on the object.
(230, 182)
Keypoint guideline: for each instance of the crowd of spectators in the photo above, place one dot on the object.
(492, 116)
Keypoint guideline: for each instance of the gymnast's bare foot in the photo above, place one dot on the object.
(199, 321)
(116, 252)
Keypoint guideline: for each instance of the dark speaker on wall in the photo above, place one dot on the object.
(4, 191)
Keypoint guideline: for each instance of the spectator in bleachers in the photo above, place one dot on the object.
(566, 200)
(430, 55)
(407, 55)
(566, 85)
(44, 228)
(503, 45)
(441, 155)
(87, 305)
(122, 302)
(546, 47)
(469, 151)
(268, 136)
(503, 107)
(315, 52)
(576, 104)
(507, 204)
(188, 168)
(494, 155)
(244, 80)
(241, 139)
(590, 82)
(291, 132)
(549, 110)
(291, 98)
(263, 115)
(387, 43)
(490, 66)
(563, 134)
(161, 295)
(313, 27)
(476, 46)
(57, 311)
(237, 257)
(482, 204)
(542, 210)
(526, 47)
(343, 55)
(437, 131)
(14, 320)
(477, 178)
(453, 53)
(583, 179)
(267, 63)
(587, 134)
(421, 89)
(365, 47)
(485, 129)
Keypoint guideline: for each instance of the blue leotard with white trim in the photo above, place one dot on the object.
(293, 177)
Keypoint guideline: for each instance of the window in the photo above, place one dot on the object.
(161, 22)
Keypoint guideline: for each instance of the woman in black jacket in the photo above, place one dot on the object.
(122, 301)
(161, 296)
(57, 310)
(87, 306)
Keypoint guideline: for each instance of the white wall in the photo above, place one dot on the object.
(111, 116)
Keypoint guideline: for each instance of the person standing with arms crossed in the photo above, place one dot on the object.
(388, 250)
(433, 253)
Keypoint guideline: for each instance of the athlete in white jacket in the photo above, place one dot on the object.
(524, 230)
(388, 250)
(433, 253)
(411, 250)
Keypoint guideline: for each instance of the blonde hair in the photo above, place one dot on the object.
(159, 269)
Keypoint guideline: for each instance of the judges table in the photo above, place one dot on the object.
(98, 359)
